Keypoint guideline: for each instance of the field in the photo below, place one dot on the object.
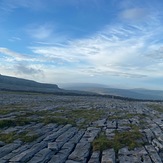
(37, 127)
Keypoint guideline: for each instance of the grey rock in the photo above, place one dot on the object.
(53, 136)
(3, 161)
(42, 156)
(15, 152)
(67, 148)
(77, 136)
(8, 148)
(2, 143)
(71, 161)
(150, 136)
(53, 146)
(95, 157)
(108, 156)
(65, 136)
(134, 156)
(63, 154)
(100, 123)
(28, 154)
(157, 145)
(153, 154)
(81, 152)
(90, 134)
(111, 124)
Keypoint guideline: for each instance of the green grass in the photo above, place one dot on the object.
(88, 116)
(127, 138)
(27, 138)
(101, 143)
(4, 111)
(14, 122)
(10, 137)
(60, 116)
(6, 123)
(156, 107)
(126, 116)
(58, 120)
(70, 116)
(11, 108)
(120, 140)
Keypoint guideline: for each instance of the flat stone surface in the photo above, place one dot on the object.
(134, 156)
(95, 157)
(153, 154)
(41, 156)
(29, 153)
(81, 152)
(8, 148)
(108, 156)
(64, 143)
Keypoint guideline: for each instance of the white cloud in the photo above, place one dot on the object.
(14, 39)
(115, 51)
(135, 14)
(9, 6)
(15, 55)
(40, 32)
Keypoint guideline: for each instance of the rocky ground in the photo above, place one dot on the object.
(73, 129)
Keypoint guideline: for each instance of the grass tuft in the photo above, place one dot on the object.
(120, 140)
(10, 137)
(14, 122)
(156, 107)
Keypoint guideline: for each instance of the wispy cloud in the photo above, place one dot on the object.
(13, 39)
(156, 54)
(128, 49)
(25, 69)
(10, 6)
(134, 14)
(15, 55)
(40, 32)
(117, 50)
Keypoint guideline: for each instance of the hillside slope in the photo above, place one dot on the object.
(18, 84)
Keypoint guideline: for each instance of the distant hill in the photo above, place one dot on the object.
(8, 83)
(18, 84)
(143, 94)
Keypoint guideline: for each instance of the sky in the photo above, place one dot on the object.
(113, 42)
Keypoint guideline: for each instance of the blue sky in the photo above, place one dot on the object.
(113, 42)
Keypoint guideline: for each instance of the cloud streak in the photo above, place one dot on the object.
(40, 32)
(134, 14)
(24, 69)
(117, 51)
(106, 49)
(8, 52)
(129, 48)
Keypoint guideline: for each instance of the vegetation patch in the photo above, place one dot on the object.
(4, 111)
(14, 122)
(126, 138)
(87, 116)
(71, 116)
(126, 116)
(58, 120)
(10, 137)
(25, 137)
(156, 107)
(15, 107)
(120, 140)
(101, 143)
